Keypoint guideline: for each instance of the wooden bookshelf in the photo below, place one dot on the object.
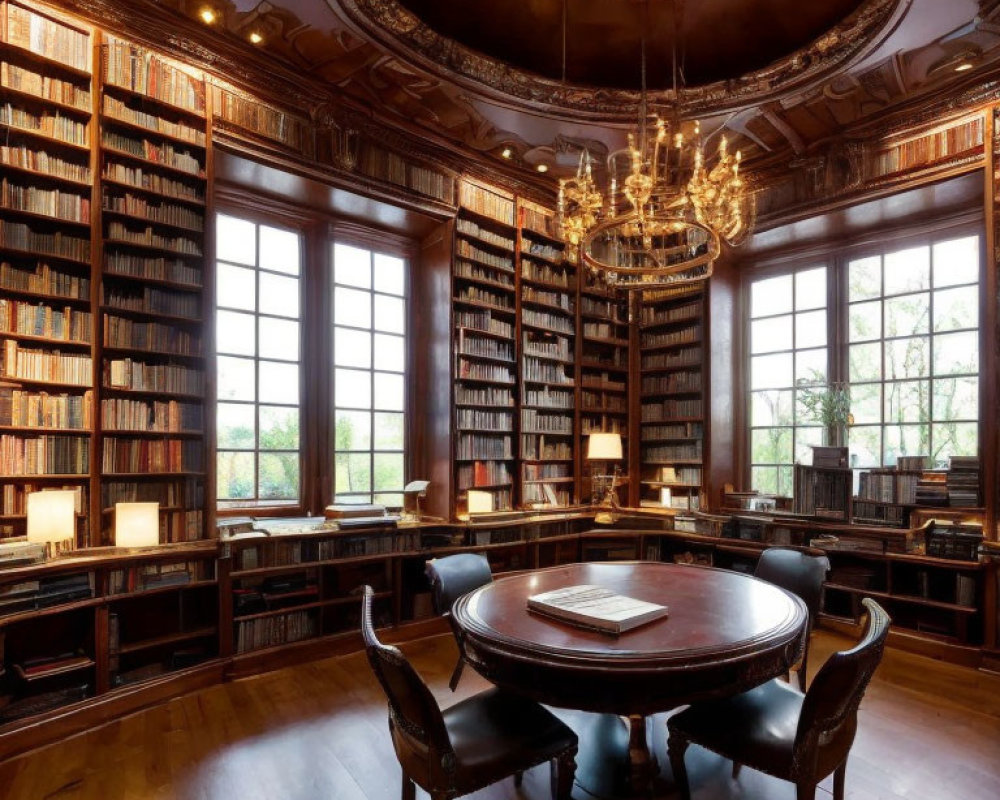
(671, 389)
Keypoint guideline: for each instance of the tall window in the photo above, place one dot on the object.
(369, 355)
(788, 355)
(913, 354)
(257, 344)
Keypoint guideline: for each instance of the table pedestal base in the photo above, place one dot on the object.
(615, 760)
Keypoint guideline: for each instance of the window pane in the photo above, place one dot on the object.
(808, 406)
(771, 371)
(764, 479)
(235, 240)
(279, 338)
(956, 308)
(352, 266)
(390, 314)
(956, 398)
(352, 307)
(235, 287)
(804, 439)
(769, 335)
(389, 274)
(388, 431)
(956, 353)
(908, 270)
(865, 442)
(771, 296)
(388, 471)
(279, 476)
(905, 440)
(389, 352)
(907, 358)
(234, 333)
(810, 367)
(353, 430)
(236, 378)
(771, 445)
(864, 278)
(865, 362)
(279, 250)
(954, 439)
(771, 408)
(956, 261)
(390, 499)
(907, 315)
(236, 426)
(279, 295)
(235, 473)
(865, 321)
(907, 401)
(786, 481)
(866, 403)
(352, 348)
(279, 383)
(389, 391)
(810, 289)
(353, 472)
(279, 428)
(810, 329)
(352, 388)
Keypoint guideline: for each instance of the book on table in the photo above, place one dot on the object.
(596, 607)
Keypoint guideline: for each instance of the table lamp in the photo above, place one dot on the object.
(137, 524)
(52, 520)
(479, 502)
(606, 447)
(413, 493)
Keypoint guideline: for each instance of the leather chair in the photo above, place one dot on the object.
(801, 574)
(472, 744)
(776, 729)
(450, 578)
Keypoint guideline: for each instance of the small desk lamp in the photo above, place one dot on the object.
(137, 524)
(413, 493)
(52, 520)
(605, 447)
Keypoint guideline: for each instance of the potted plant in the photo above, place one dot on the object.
(831, 405)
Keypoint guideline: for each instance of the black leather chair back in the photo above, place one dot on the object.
(830, 708)
(798, 572)
(412, 708)
(453, 576)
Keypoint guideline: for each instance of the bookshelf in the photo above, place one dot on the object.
(155, 139)
(672, 422)
(823, 492)
(484, 310)
(547, 299)
(47, 312)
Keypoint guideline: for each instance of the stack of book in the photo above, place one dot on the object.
(932, 490)
(963, 481)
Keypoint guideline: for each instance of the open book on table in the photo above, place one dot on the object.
(596, 607)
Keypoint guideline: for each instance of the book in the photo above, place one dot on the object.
(596, 607)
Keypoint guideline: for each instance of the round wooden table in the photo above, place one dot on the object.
(725, 633)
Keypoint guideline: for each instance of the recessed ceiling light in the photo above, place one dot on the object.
(542, 167)
(207, 16)
(506, 152)
(256, 38)
(965, 66)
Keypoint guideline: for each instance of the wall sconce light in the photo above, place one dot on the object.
(137, 524)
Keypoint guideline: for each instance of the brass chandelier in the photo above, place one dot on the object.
(661, 221)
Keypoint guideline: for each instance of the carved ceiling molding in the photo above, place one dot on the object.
(398, 30)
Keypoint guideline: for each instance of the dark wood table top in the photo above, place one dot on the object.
(725, 632)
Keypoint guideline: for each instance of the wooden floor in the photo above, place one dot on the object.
(928, 731)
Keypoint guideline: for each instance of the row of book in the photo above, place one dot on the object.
(688, 356)
(475, 447)
(603, 425)
(55, 203)
(172, 493)
(278, 629)
(670, 409)
(158, 575)
(130, 334)
(134, 68)
(14, 496)
(930, 147)
(545, 273)
(47, 37)
(537, 472)
(684, 430)
(673, 452)
(475, 371)
(257, 117)
(485, 348)
(116, 109)
(166, 153)
(157, 455)
(153, 301)
(544, 297)
(482, 473)
(34, 160)
(432, 183)
(474, 294)
(40, 278)
(601, 401)
(552, 347)
(602, 330)
(539, 449)
(481, 320)
(155, 269)
(466, 249)
(477, 272)
(658, 315)
(535, 422)
(478, 419)
(549, 398)
(44, 455)
(537, 220)
(150, 238)
(670, 338)
(545, 321)
(45, 592)
(482, 201)
(479, 396)
(168, 416)
(468, 227)
(126, 373)
(540, 371)
(140, 178)
(673, 383)
(888, 486)
(52, 125)
(610, 310)
(38, 319)
(18, 236)
(38, 85)
(963, 481)
(541, 250)
(541, 494)
(132, 205)
(45, 365)
(27, 409)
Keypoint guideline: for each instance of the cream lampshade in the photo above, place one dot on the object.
(604, 447)
(137, 524)
(480, 502)
(52, 518)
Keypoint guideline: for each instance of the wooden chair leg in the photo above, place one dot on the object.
(737, 766)
(409, 789)
(456, 676)
(676, 746)
(563, 770)
(519, 777)
(802, 671)
(805, 791)
(839, 775)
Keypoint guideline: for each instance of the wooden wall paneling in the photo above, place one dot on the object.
(317, 358)
(94, 527)
(634, 400)
(726, 412)
(990, 331)
(209, 334)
